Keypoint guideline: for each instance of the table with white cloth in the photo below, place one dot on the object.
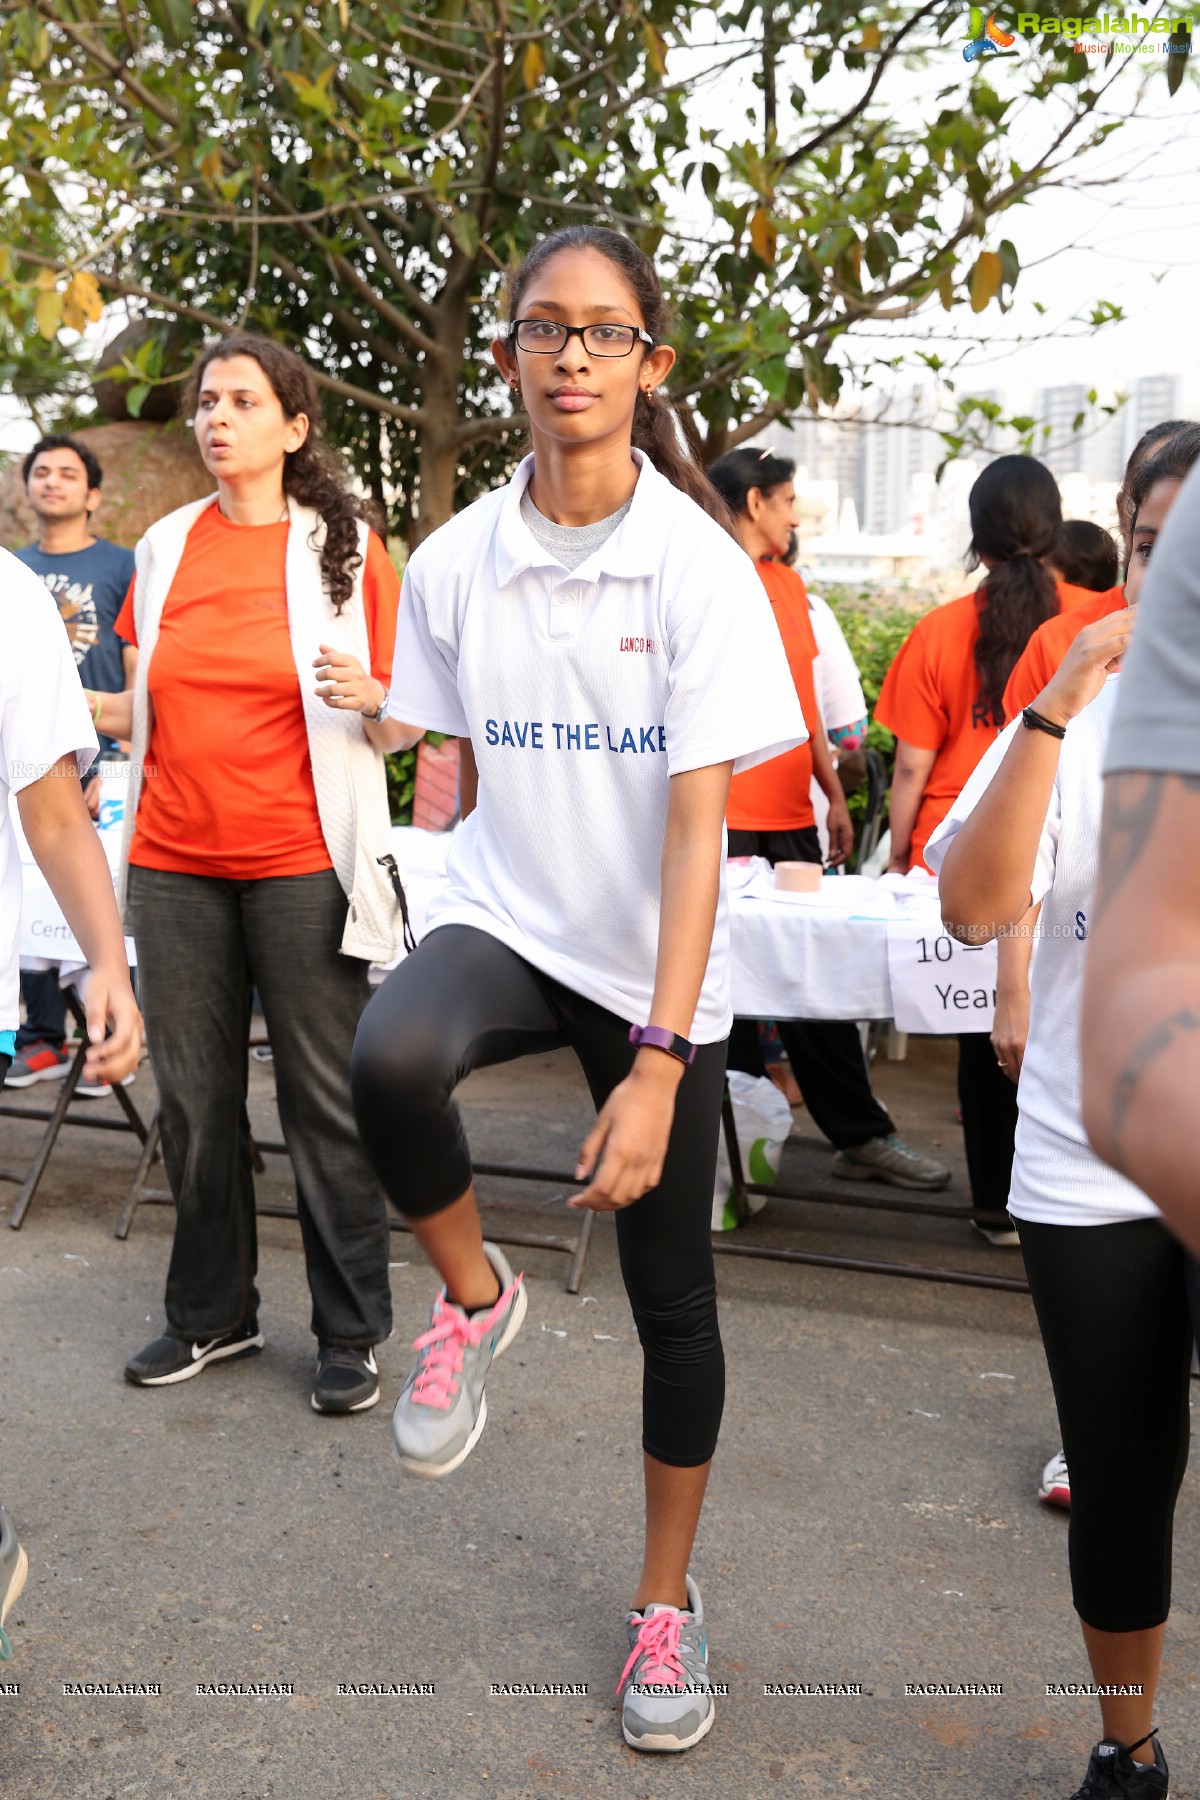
(856, 949)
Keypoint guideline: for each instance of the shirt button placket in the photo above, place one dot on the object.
(562, 611)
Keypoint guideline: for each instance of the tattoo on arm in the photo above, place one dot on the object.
(1159, 1038)
(1131, 806)
(1132, 803)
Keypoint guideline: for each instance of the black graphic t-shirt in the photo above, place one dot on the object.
(89, 587)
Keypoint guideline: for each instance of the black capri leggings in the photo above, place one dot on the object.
(1112, 1305)
(462, 1001)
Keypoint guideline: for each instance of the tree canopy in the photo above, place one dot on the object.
(357, 179)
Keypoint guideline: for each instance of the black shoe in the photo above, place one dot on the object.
(347, 1380)
(169, 1359)
(1112, 1773)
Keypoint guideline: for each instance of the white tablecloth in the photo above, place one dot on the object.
(812, 956)
(794, 956)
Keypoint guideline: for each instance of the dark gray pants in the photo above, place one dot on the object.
(203, 945)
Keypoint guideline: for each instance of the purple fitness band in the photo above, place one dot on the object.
(659, 1038)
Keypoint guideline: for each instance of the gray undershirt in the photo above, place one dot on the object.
(570, 544)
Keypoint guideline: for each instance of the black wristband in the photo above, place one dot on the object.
(1035, 722)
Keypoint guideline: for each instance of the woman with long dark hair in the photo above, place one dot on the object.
(264, 618)
(770, 814)
(943, 699)
(596, 637)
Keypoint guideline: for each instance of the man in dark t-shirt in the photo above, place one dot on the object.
(88, 578)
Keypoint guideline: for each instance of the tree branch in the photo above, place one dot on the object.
(823, 136)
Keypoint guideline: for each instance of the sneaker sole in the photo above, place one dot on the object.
(359, 1406)
(998, 1239)
(18, 1584)
(670, 1744)
(432, 1470)
(102, 1090)
(1056, 1496)
(862, 1172)
(58, 1073)
(250, 1348)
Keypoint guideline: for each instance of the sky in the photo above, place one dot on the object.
(1135, 241)
(1130, 236)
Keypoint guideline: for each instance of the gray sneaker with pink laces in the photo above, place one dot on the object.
(442, 1407)
(668, 1702)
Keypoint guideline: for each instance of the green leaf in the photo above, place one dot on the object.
(1010, 265)
(135, 399)
(464, 229)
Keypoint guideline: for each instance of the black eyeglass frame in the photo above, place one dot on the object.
(579, 331)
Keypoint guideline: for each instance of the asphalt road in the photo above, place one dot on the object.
(871, 1519)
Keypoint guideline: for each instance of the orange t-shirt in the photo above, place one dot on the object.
(777, 795)
(930, 698)
(229, 785)
(1043, 654)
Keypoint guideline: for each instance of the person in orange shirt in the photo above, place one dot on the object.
(265, 621)
(770, 814)
(942, 698)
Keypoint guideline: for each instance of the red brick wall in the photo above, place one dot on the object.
(435, 798)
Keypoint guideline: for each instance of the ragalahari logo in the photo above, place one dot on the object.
(986, 37)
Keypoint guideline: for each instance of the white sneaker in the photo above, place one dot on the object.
(667, 1703)
(442, 1407)
(1056, 1483)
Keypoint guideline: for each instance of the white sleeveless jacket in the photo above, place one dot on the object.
(348, 771)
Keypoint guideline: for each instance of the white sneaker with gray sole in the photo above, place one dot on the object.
(668, 1703)
(442, 1408)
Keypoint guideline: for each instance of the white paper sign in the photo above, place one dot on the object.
(45, 934)
(939, 985)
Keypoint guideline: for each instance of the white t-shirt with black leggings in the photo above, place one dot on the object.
(583, 689)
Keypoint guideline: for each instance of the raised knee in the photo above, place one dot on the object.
(395, 1068)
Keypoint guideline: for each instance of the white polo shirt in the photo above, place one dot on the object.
(1057, 1178)
(582, 692)
(43, 717)
(839, 688)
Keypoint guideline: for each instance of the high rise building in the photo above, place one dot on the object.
(1154, 398)
(899, 443)
(1063, 450)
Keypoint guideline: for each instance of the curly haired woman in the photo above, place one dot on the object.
(265, 621)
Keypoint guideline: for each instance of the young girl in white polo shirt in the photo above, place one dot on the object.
(597, 639)
(1108, 1280)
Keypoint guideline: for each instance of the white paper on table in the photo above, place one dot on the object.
(939, 985)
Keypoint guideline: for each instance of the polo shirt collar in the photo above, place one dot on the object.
(634, 549)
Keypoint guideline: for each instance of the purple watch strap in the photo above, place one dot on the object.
(659, 1038)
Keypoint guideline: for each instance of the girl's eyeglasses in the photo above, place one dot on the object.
(547, 336)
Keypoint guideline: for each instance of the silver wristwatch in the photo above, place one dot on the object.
(377, 718)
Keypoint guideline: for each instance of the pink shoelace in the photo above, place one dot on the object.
(658, 1641)
(446, 1340)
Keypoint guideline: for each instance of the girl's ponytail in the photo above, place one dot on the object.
(1016, 514)
(657, 434)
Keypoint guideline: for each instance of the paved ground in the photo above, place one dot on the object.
(871, 1520)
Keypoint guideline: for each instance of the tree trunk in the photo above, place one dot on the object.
(437, 457)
